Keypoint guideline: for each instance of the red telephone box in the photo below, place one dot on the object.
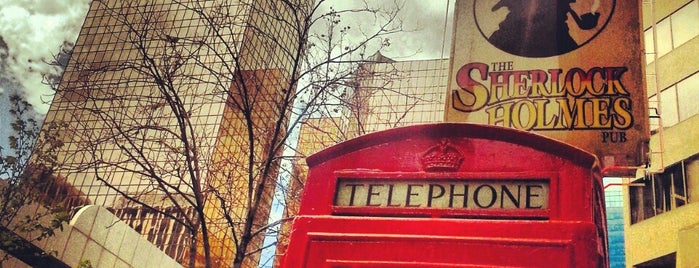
(450, 195)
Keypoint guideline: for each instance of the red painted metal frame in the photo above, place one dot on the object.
(396, 242)
(570, 233)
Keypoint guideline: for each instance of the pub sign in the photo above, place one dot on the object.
(570, 70)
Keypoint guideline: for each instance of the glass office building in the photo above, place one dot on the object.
(167, 105)
(384, 94)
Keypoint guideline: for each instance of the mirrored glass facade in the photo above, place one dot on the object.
(170, 105)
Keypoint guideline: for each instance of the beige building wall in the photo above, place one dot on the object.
(662, 214)
(96, 236)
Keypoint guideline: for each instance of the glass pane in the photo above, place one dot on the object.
(664, 35)
(691, 173)
(653, 112)
(668, 101)
(636, 204)
(667, 193)
(641, 201)
(648, 43)
(687, 94)
(678, 184)
(658, 194)
(684, 23)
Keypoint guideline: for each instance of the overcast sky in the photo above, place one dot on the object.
(34, 30)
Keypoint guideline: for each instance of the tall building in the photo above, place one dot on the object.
(384, 94)
(661, 215)
(168, 106)
(315, 134)
(614, 206)
(391, 94)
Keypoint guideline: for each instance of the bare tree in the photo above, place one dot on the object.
(382, 94)
(182, 108)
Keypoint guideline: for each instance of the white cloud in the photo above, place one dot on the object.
(35, 29)
(34, 32)
(423, 22)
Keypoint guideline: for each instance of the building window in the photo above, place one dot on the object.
(687, 94)
(678, 102)
(684, 23)
(668, 106)
(673, 31)
(669, 260)
(641, 201)
(659, 193)
(669, 189)
(648, 44)
(664, 37)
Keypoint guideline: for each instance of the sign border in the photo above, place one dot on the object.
(535, 214)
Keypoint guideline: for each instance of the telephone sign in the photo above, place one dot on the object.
(443, 193)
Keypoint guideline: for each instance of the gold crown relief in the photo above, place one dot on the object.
(442, 157)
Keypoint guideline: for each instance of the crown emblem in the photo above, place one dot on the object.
(442, 157)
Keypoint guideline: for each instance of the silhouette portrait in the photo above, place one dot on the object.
(539, 28)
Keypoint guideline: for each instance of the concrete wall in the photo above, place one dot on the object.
(688, 247)
(95, 234)
(664, 234)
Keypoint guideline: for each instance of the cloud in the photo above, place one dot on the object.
(34, 32)
(423, 22)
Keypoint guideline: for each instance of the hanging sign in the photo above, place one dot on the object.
(570, 70)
